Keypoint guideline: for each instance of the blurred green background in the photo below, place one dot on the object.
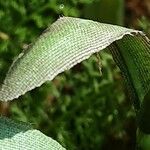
(80, 109)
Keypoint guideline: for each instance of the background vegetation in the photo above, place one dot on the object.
(79, 108)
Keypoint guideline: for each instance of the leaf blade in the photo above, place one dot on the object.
(64, 44)
(19, 135)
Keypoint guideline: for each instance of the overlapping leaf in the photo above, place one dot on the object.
(20, 136)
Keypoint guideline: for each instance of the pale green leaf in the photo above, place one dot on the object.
(20, 136)
(65, 43)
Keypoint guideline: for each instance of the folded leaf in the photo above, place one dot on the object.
(20, 136)
(64, 44)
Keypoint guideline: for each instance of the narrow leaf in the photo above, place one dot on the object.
(132, 54)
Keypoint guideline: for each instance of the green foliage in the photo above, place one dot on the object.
(79, 108)
(144, 143)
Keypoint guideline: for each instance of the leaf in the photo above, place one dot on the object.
(132, 55)
(144, 115)
(64, 44)
(19, 136)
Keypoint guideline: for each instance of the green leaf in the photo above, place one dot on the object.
(64, 44)
(19, 135)
(144, 115)
(132, 54)
(69, 41)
